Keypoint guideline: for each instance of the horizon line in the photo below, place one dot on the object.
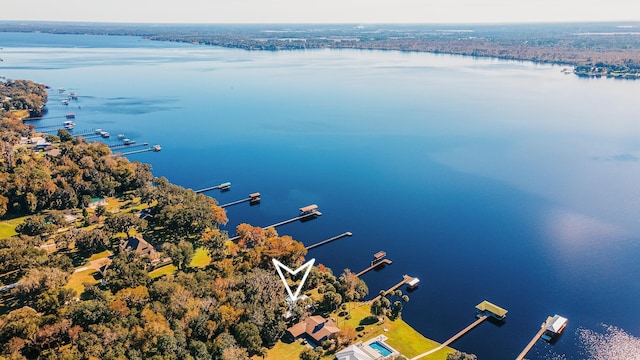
(478, 23)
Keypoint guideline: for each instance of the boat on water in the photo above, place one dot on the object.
(61, 90)
(70, 115)
(73, 96)
(68, 125)
(104, 134)
(65, 102)
(120, 136)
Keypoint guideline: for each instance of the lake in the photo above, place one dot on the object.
(487, 179)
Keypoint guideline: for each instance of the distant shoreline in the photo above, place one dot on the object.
(593, 49)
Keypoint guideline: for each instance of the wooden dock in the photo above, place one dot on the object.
(153, 148)
(405, 279)
(453, 338)
(313, 246)
(534, 340)
(235, 202)
(301, 217)
(222, 186)
(45, 118)
(377, 264)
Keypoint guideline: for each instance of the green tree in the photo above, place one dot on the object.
(127, 270)
(124, 223)
(376, 308)
(181, 254)
(331, 300)
(248, 336)
(92, 241)
(310, 354)
(396, 310)
(64, 135)
(460, 356)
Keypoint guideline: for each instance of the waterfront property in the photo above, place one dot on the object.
(315, 328)
(138, 244)
(375, 349)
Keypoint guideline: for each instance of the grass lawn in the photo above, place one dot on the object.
(401, 336)
(282, 351)
(200, 258)
(100, 255)
(165, 270)
(8, 227)
(77, 280)
(22, 114)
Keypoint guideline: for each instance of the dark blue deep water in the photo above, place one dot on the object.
(488, 179)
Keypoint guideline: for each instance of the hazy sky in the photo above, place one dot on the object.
(320, 11)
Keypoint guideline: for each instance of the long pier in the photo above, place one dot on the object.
(313, 246)
(223, 186)
(533, 341)
(313, 214)
(453, 338)
(138, 151)
(377, 264)
(38, 128)
(45, 118)
(254, 198)
(405, 279)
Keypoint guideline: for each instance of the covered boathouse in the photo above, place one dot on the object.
(555, 326)
(491, 310)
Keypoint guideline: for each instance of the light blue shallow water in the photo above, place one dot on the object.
(487, 179)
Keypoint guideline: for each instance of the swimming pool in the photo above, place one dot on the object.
(379, 347)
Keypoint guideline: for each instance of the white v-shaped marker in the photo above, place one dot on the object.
(279, 266)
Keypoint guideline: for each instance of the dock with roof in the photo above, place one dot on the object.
(492, 310)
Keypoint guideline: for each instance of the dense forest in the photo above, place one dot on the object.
(595, 49)
(229, 307)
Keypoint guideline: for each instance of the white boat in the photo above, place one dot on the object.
(65, 102)
(104, 134)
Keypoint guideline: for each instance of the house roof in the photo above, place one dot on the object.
(316, 327)
(140, 245)
(353, 352)
(557, 323)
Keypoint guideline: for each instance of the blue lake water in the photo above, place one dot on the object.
(487, 179)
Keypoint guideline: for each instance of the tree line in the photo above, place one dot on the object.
(231, 309)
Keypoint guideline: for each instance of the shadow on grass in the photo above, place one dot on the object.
(369, 320)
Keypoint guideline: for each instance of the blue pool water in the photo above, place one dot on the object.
(377, 346)
(487, 179)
